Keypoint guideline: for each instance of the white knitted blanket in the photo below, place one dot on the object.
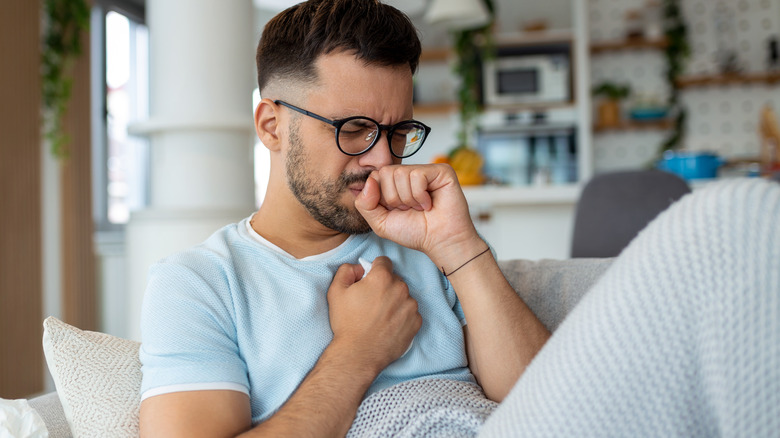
(679, 338)
(423, 408)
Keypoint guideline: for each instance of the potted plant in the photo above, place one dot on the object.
(609, 106)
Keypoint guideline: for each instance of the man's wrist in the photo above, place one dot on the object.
(361, 367)
(452, 257)
(447, 274)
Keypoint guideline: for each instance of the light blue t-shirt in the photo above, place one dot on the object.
(239, 313)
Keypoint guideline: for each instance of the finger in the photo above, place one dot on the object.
(403, 186)
(369, 197)
(432, 176)
(382, 263)
(439, 176)
(388, 190)
(382, 270)
(367, 203)
(419, 187)
(347, 274)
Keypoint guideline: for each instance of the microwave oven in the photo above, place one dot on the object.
(525, 79)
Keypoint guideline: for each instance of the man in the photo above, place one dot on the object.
(273, 322)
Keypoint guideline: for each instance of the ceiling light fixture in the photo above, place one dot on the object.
(458, 14)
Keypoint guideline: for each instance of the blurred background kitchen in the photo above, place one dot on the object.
(160, 149)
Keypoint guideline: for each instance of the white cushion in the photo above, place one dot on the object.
(98, 379)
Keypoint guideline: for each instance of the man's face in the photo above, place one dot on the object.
(323, 179)
(322, 197)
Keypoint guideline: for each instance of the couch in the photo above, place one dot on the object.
(551, 288)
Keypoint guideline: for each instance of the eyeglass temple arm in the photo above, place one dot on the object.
(303, 111)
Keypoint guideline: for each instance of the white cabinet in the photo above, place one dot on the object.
(527, 223)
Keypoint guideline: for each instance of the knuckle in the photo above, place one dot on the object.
(386, 171)
(384, 261)
(384, 275)
(417, 174)
(403, 288)
(445, 167)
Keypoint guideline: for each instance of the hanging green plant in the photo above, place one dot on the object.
(64, 22)
(472, 47)
(677, 53)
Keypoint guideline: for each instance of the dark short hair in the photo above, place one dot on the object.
(293, 40)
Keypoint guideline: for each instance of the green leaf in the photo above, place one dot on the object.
(677, 53)
(64, 23)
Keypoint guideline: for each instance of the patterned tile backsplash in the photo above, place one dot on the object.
(722, 118)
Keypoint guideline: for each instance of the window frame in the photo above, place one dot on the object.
(135, 11)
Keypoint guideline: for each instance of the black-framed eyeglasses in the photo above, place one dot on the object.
(356, 135)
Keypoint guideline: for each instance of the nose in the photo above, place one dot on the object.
(379, 155)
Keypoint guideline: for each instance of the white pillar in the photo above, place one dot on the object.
(200, 131)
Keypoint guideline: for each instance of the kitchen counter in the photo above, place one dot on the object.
(529, 222)
(524, 195)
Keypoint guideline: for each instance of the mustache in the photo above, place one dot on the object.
(345, 180)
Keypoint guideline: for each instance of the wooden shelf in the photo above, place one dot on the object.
(635, 125)
(729, 79)
(538, 106)
(436, 54)
(629, 44)
(550, 36)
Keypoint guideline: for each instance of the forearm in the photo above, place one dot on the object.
(325, 403)
(503, 335)
(423, 208)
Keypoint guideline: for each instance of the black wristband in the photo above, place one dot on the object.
(467, 262)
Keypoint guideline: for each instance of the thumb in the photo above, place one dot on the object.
(347, 275)
(367, 203)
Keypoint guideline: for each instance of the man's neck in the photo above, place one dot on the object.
(289, 226)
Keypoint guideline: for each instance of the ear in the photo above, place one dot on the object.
(267, 124)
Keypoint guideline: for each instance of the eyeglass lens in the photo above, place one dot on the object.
(357, 135)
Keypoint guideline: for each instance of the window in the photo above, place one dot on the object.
(121, 96)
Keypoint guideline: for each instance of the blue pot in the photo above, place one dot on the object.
(647, 114)
(691, 165)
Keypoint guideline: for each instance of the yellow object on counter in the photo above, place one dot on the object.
(467, 163)
(470, 179)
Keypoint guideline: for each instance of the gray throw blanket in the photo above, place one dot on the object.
(423, 408)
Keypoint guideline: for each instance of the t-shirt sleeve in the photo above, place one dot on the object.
(458, 310)
(453, 299)
(188, 333)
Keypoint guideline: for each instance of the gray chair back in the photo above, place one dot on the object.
(614, 207)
